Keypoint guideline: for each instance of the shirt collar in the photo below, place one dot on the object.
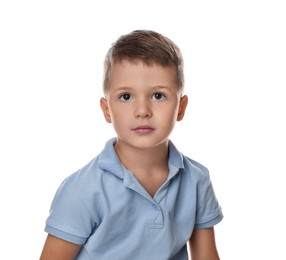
(109, 161)
(175, 160)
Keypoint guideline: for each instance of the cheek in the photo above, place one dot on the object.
(119, 114)
(113, 109)
(168, 116)
(171, 112)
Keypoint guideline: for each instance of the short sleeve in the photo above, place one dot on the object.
(70, 218)
(209, 212)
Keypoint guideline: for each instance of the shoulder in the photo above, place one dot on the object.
(86, 173)
(196, 169)
(82, 182)
(192, 168)
(95, 175)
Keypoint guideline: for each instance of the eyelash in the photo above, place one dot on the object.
(162, 96)
(123, 96)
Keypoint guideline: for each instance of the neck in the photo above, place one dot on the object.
(134, 158)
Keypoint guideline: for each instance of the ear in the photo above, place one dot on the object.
(105, 109)
(182, 107)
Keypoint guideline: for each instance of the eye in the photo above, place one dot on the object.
(125, 97)
(158, 96)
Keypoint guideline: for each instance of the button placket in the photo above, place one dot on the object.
(157, 220)
(155, 207)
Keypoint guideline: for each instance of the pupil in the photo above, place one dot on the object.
(158, 95)
(126, 96)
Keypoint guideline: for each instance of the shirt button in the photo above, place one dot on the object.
(155, 207)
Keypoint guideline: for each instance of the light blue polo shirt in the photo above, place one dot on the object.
(105, 209)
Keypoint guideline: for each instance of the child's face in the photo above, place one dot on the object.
(143, 103)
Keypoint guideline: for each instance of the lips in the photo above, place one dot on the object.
(144, 129)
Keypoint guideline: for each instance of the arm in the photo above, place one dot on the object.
(202, 245)
(58, 249)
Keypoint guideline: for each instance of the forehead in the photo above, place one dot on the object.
(131, 73)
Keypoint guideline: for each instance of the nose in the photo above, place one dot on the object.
(143, 109)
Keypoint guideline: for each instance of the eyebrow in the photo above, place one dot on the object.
(123, 89)
(131, 88)
(153, 88)
(168, 88)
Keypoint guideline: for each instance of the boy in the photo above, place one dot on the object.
(140, 198)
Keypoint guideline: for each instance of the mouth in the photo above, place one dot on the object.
(143, 129)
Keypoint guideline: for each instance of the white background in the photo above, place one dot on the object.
(51, 55)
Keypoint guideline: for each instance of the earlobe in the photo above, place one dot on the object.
(182, 107)
(105, 109)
